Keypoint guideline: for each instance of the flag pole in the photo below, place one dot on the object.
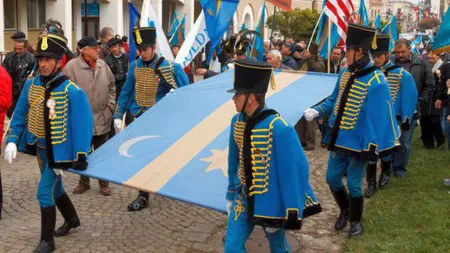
(329, 45)
(314, 31)
(273, 26)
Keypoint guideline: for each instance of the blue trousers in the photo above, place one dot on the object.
(355, 168)
(50, 185)
(401, 158)
(239, 230)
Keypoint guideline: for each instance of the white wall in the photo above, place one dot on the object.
(61, 10)
(111, 15)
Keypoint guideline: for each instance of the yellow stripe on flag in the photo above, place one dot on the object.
(157, 173)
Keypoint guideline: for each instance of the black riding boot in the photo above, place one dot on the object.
(341, 198)
(356, 211)
(371, 178)
(140, 202)
(48, 222)
(71, 220)
(386, 171)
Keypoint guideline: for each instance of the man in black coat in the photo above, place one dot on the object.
(19, 64)
(421, 72)
(118, 63)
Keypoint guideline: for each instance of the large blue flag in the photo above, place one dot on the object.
(135, 17)
(174, 25)
(441, 43)
(258, 50)
(377, 22)
(363, 13)
(179, 35)
(322, 35)
(181, 152)
(414, 48)
(391, 29)
(218, 16)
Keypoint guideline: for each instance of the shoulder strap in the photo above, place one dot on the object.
(158, 71)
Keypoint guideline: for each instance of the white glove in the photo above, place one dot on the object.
(228, 206)
(271, 230)
(118, 125)
(310, 114)
(58, 172)
(10, 152)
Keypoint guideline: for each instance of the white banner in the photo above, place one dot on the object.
(148, 15)
(195, 41)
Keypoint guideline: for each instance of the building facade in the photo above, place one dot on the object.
(87, 17)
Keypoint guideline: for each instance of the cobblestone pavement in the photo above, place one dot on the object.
(167, 226)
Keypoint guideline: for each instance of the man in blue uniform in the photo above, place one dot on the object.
(53, 120)
(149, 79)
(363, 123)
(268, 171)
(404, 97)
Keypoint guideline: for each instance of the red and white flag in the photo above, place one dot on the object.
(340, 12)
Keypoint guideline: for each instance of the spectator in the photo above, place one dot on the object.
(118, 63)
(312, 61)
(433, 121)
(274, 59)
(175, 50)
(421, 72)
(286, 52)
(125, 44)
(298, 54)
(106, 34)
(335, 60)
(96, 79)
(5, 103)
(19, 64)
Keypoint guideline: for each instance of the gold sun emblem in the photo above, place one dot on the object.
(217, 161)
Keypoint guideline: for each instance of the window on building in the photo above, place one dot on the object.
(36, 13)
(10, 12)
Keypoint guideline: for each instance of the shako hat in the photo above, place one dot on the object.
(360, 36)
(144, 36)
(383, 42)
(251, 76)
(51, 45)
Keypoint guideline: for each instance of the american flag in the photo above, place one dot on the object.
(340, 13)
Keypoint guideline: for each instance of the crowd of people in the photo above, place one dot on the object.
(63, 106)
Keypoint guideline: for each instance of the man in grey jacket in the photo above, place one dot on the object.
(95, 77)
(421, 72)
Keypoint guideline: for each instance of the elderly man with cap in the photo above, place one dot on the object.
(149, 79)
(97, 80)
(363, 125)
(268, 171)
(404, 97)
(53, 120)
(118, 63)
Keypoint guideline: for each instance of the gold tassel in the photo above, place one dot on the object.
(273, 85)
(374, 41)
(138, 37)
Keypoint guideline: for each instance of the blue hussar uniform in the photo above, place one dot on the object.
(363, 125)
(53, 120)
(404, 98)
(268, 171)
(146, 84)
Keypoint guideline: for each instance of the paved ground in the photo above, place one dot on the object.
(167, 226)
